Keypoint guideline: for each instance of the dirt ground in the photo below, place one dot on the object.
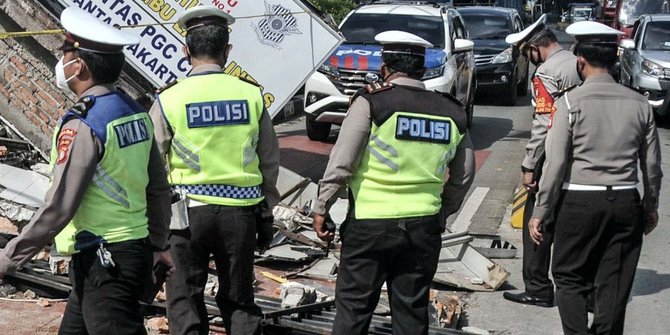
(28, 318)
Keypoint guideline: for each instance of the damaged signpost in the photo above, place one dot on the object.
(276, 43)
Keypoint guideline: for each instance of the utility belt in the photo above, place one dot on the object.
(582, 187)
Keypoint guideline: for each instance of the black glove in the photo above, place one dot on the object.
(264, 229)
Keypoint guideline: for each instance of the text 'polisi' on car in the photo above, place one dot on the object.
(450, 63)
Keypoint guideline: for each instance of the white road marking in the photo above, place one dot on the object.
(469, 209)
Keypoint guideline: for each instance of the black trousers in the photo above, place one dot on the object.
(401, 252)
(598, 238)
(105, 300)
(537, 258)
(229, 233)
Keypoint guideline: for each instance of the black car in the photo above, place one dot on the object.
(501, 68)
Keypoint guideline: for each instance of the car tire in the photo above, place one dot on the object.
(522, 88)
(317, 131)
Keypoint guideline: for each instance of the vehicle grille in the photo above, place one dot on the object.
(666, 73)
(350, 81)
(484, 59)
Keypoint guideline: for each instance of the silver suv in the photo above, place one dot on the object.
(645, 60)
(450, 64)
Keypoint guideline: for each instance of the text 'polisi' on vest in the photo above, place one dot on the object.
(131, 132)
(423, 129)
(217, 113)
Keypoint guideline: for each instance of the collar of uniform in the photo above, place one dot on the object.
(406, 81)
(98, 90)
(555, 51)
(599, 78)
(203, 68)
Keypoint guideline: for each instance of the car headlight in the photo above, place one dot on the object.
(433, 72)
(652, 69)
(503, 57)
(329, 70)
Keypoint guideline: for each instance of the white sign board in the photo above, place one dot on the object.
(276, 43)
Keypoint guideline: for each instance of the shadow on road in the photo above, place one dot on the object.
(487, 130)
(648, 282)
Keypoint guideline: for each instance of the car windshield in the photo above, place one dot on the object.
(487, 27)
(632, 9)
(362, 28)
(657, 36)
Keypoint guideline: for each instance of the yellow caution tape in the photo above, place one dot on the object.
(15, 34)
(518, 205)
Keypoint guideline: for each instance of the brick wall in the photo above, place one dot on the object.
(29, 98)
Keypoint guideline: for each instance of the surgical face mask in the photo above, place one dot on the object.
(61, 81)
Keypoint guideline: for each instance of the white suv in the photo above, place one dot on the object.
(450, 64)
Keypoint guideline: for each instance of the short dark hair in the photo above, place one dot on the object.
(411, 64)
(544, 39)
(207, 41)
(104, 68)
(602, 55)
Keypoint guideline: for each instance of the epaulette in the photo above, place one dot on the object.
(450, 97)
(165, 87)
(560, 93)
(246, 80)
(83, 105)
(378, 87)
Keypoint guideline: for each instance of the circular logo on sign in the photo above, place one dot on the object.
(277, 24)
(371, 77)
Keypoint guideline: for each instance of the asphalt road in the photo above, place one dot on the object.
(499, 135)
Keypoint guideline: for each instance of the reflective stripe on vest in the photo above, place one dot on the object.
(213, 152)
(113, 208)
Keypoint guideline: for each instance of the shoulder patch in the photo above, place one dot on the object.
(65, 138)
(249, 81)
(450, 97)
(378, 87)
(83, 105)
(165, 87)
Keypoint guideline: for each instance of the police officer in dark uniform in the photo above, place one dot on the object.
(109, 198)
(600, 132)
(555, 74)
(394, 148)
(223, 156)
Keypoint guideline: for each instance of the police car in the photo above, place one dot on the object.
(357, 62)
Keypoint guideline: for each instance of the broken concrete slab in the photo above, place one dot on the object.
(295, 294)
(283, 253)
(460, 263)
(325, 269)
(23, 187)
(15, 212)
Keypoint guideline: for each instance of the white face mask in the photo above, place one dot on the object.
(61, 82)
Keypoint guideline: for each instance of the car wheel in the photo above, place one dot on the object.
(317, 131)
(522, 88)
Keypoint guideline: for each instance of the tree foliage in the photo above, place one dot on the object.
(337, 8)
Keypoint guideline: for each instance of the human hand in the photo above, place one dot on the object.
(534, 227)
(651, 222)
(528, 181)
(165, 258)
(319, 225)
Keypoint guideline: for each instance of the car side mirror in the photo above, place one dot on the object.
(461, 45)
(627, 44)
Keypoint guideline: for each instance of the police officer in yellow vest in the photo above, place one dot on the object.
(109, 189)
(394, 148)
(222, 153)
